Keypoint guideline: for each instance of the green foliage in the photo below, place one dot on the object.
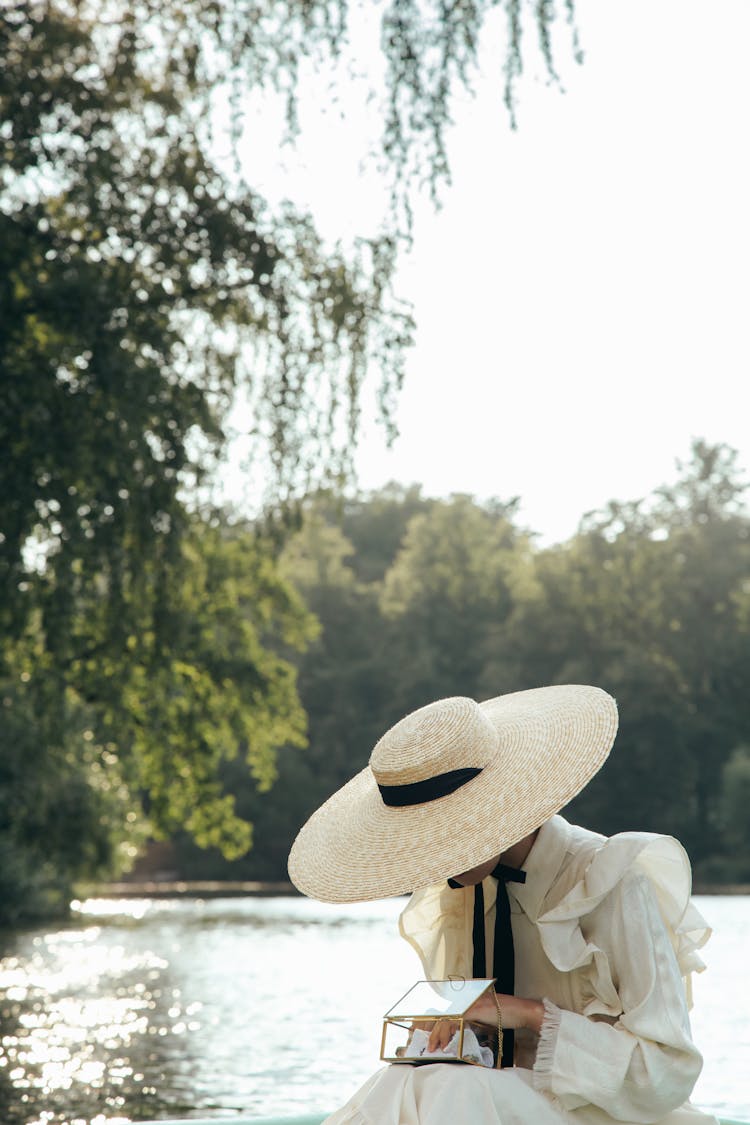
(206, 682)
(133, 737)
(65, 807)
(139, 286)
(451, 589)
(141, 289)
(377, 527)
(731, 864)
(650, 600)
(347, 681)
(644, 601)
(431, 48)
(430, 51)
(347, 677)
(735, 800)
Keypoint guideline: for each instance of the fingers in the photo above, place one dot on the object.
(434, 1043)
(441, 1034)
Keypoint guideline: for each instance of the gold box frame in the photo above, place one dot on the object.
(423, 1018)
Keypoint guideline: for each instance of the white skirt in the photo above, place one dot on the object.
(440, 1094)
(418, 1095)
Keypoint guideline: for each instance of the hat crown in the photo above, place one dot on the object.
(449, 734)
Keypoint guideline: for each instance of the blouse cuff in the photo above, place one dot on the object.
(545, 1051)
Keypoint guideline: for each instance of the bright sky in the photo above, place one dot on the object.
(582, 297)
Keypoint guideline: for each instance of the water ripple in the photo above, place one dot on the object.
(144, 1008)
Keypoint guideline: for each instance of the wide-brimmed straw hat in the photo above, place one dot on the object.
(451, 786)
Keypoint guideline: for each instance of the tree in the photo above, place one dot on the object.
(65, 807)
(734, 864)
(429, 47)
(140, 288)
(346, 681)
(375, 524)
(95, 754)
(450, 594)
(705, 517)
(646, 600)
(137, 281)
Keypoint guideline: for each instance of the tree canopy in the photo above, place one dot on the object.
(142, 288)
(650, 600)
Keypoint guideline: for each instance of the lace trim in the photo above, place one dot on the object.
(545, 1052)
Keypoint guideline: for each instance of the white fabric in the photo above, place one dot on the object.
(605, 934)
(416, 1048)
(446, 1095)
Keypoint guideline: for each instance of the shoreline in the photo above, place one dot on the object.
(186, 888)
(214, 888)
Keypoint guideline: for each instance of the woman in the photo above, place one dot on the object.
(591, 941)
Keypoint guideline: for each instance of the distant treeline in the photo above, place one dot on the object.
(420, 598)
(208, 683)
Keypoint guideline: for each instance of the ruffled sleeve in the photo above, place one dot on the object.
(627, 931)
(437, 926)
(570, 919)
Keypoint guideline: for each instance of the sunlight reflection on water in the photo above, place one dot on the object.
(271, 1006)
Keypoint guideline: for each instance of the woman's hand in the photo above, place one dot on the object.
(517, 1012)
(441, 1034)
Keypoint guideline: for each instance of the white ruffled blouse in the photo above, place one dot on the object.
(604, 933)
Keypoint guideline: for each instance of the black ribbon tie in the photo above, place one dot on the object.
(503, 956)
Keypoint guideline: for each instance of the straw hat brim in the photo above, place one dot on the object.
(552, 741)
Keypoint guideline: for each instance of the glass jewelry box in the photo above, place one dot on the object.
(407, 1025)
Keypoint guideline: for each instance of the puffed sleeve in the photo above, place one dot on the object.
(437, 925)
(640, 1064)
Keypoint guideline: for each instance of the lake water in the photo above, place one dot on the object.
(147, 1008)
